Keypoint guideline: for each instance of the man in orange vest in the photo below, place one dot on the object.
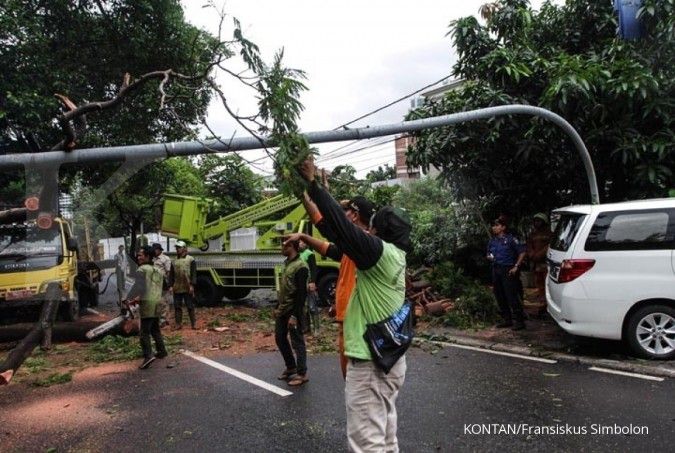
(359, 210)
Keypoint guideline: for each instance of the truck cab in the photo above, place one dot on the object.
(34, 254)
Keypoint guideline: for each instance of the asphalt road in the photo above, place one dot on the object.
(195, 407)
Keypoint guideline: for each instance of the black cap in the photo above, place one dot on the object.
(157, 246)
(392, 225)
(363, 207)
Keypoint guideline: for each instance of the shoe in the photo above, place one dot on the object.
(518, 326)
(298, 380)
(146, 363)
(504, 324)
(161, 356)
(287, 374)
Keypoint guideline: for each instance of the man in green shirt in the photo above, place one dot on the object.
(183, 278)
(289, 315)
(147, 292)
(380, 259)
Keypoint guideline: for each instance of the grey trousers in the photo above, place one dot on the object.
(370, 397)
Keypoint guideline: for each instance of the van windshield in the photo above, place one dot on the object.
(566, 230)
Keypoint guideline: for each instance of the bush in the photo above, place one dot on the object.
(474, 305)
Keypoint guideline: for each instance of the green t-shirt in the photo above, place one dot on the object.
(149, 305)
(379, 293)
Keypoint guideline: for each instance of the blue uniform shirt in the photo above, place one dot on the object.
(505, 249)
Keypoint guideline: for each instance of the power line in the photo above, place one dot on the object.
(394, 102)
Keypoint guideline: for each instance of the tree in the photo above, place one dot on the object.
(617, 94)
(230, 182)
(381, 174)
(128, 72)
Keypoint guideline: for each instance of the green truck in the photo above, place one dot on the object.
(242, 251)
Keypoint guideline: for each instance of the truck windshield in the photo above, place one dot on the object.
(28, 247)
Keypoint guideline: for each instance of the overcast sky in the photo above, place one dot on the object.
(358, 56)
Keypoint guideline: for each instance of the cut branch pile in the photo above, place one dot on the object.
(420, 291)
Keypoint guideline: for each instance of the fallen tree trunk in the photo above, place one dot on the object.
(61, 332)
(20, 353)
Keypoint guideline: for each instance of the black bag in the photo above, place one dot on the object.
(390, 338)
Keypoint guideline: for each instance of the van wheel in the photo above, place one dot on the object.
(651, 332)
(326, 289)
(206, 292)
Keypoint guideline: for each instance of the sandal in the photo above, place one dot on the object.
(298, 380)
(287, 374)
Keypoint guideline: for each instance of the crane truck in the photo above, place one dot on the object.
(241, 251)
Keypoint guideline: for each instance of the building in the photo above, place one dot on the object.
(403, 141)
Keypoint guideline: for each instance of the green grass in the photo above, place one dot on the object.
(114, 348)
(36, 364)
(53, 379)
(239, 317)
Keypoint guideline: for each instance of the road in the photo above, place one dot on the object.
(196, 407)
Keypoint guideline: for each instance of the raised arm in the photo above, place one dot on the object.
(364, 249)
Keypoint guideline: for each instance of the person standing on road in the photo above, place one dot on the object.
(380, 259)
(506, 254)
(359, 211)
(183, 278)
(537, 247)
(121, 270)
(289, 315)
(147, 292)
(163, 264)
(311, 321)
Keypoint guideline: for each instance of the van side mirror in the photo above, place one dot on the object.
(71, 244)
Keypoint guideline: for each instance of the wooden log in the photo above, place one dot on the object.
(53, 293)
(20, 353)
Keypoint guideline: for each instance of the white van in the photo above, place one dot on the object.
(612, 273)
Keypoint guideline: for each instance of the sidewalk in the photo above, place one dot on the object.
(544, 338)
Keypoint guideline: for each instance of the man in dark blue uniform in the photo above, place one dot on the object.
(506, 254)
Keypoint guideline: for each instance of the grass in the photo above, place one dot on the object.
(53, 379)
(36, 364)
(114, 348)
(239, 317)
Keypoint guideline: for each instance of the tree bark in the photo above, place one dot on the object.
(61, 332)
(20, 353)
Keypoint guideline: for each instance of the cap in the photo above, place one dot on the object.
(157, 246)
(363, 207)
(180, 244)
(541, 216)
(392, 225)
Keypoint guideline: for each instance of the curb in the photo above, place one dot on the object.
(581, 360)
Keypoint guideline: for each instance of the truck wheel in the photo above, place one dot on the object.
(235, 293)
(69, 310)
(326, 289)
(206, 292)
(651, 332)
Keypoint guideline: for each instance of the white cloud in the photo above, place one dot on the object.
(358, 55)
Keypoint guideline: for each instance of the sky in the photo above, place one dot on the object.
(358, 56)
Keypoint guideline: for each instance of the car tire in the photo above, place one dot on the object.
(650, 330)
(326, 288)
(207, 294)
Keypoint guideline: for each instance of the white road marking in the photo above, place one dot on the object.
(625, 373)
(91, 310)
(491, 351)
(243, 376)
